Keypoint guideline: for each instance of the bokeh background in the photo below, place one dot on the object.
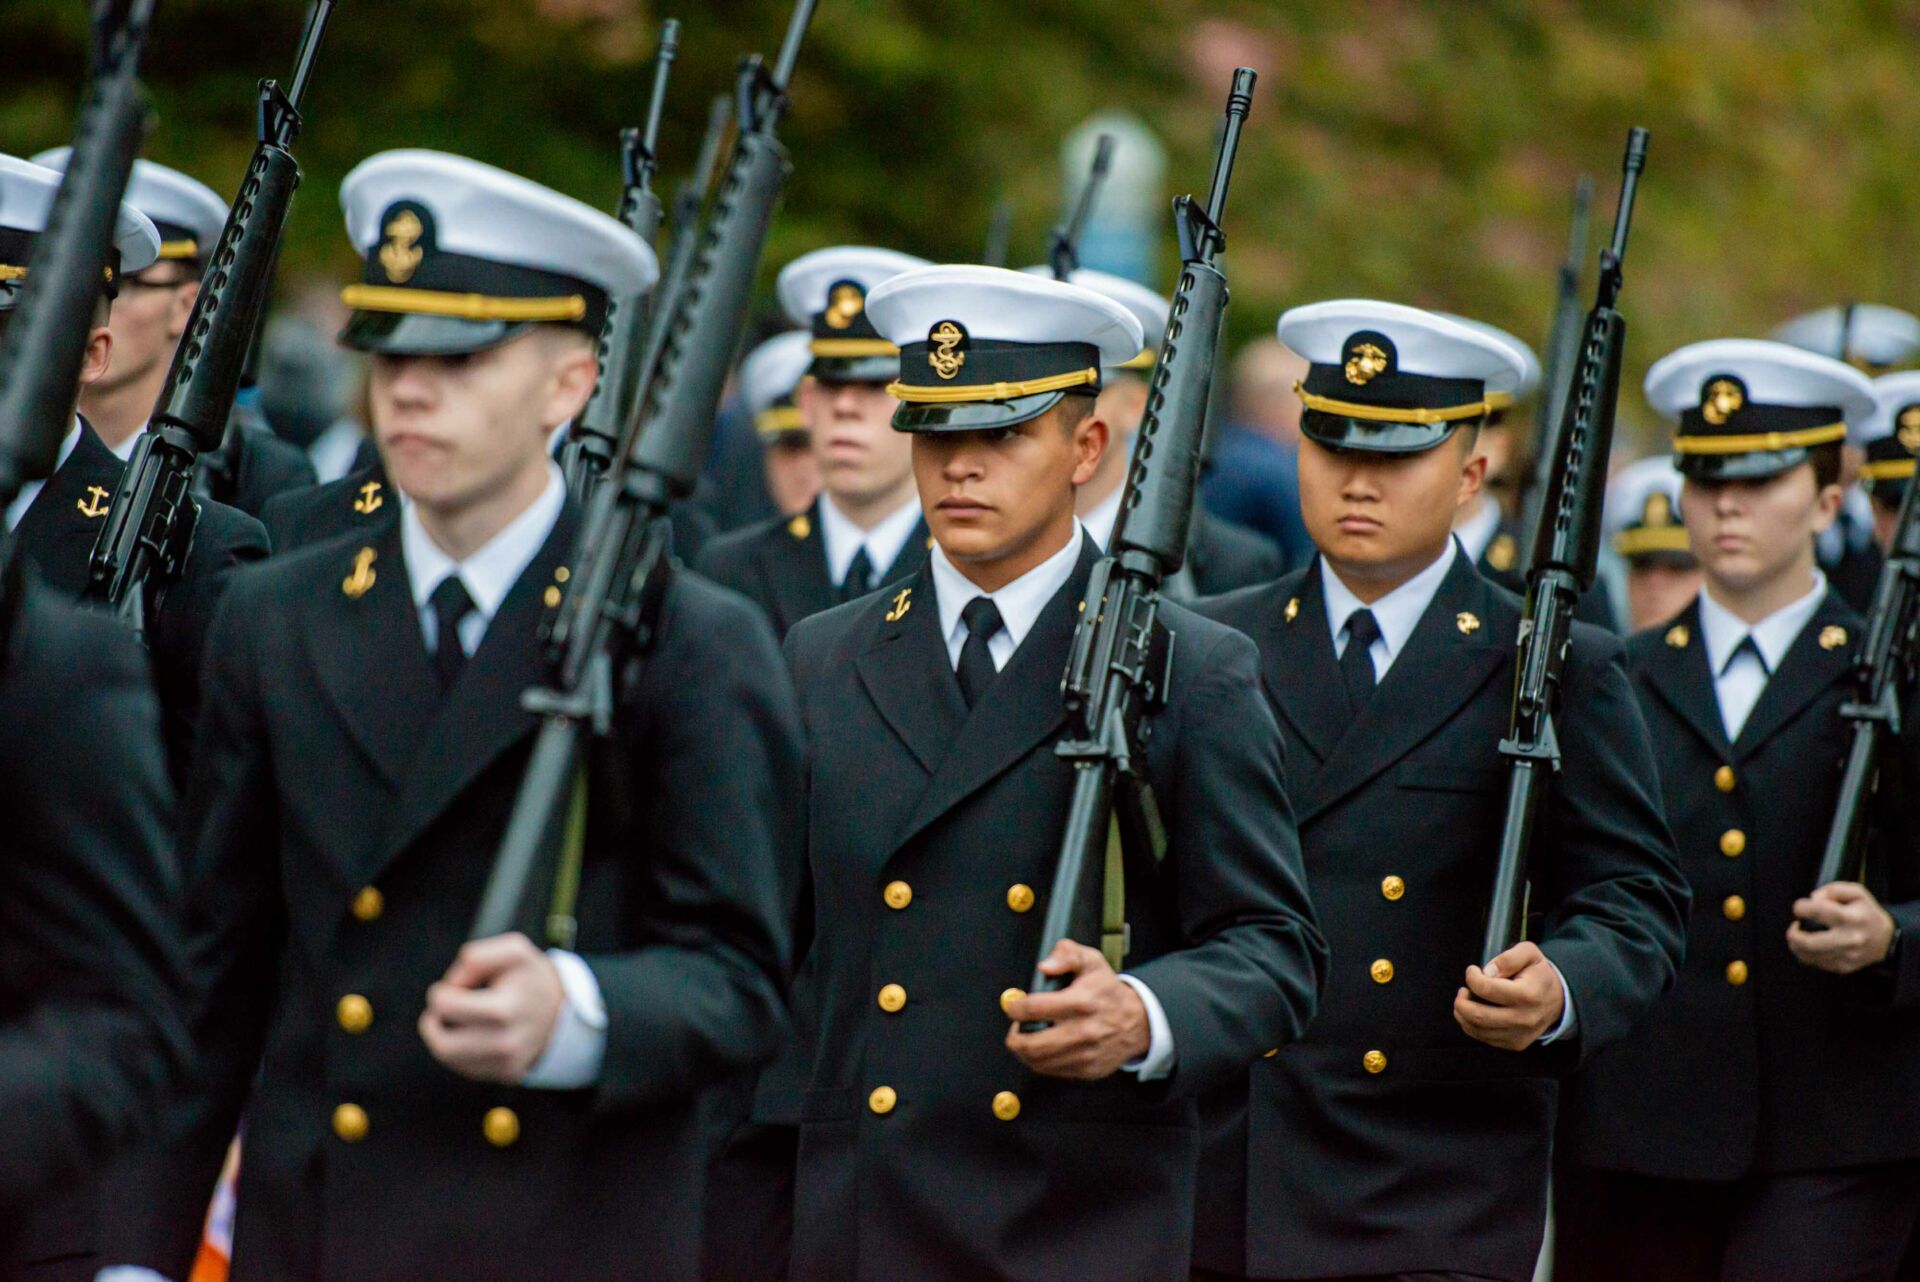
(1421, 152)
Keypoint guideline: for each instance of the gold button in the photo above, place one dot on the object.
(1006, 1106)
(882, 1100)
(1393, 888)
(892, 998)
(1732, 842)
(1382, 971)
(1009, 997)
(1019, 897)
(501, 1126)
(551, 597)
(1733, 908)
(1270, 1054)
(368, 904)
(355, 1013)
(1375, 1061)
(1736, 973)
(350, 1123)
(1723, 778)
(898, 895)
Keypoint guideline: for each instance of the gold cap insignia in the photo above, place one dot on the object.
(1659, 512)
(1292, 611)
(844, 305)
(370, 499)
(1832, 637)
(1908, 431)
(1722, 401)
(355, 585)
(800, 526)
(901, 604)
(1365, 364)
(1467, 621)
(400, 254)
(1502, 552)
(1678, 636)
(946, 356)
(95, 504)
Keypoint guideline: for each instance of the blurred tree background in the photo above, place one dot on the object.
(1422, 152)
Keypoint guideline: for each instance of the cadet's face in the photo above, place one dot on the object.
(147, 321)
(459, 430)
(1748, 533)
(1658, 590)
(1001, 502)
(1379, 519)
(860, 457)
(793, 478)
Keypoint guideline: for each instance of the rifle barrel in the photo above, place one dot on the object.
(790, 50)
(317, 19)
(662, 60)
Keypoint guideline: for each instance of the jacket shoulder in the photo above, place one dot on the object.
(1246, 608)
(724, 555)
(839, 634)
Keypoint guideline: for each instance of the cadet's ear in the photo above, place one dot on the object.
(98, 357)
(1091, 437)
(575, 371)
(1827, 506)
(1473, 472)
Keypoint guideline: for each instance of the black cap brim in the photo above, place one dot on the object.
(973, 416)
(855, 369)
(1759, 465)
(1368, 436)
(408, 334)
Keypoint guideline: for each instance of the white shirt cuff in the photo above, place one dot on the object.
(1566, 1024)
(1157, 1063)
(579, 1041)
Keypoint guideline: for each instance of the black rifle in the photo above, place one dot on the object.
(596, 432)
(1063, 253)
(46, 336)
(621, 564)
(999, 233)
(1556, 371)
(1884, 674)
(1565, 550)
(149, 529)
(1122, 651)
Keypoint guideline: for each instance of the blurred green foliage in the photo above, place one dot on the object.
(1423, 152)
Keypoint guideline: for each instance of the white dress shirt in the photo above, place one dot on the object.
(31, 490)
(843, 539)
(1398, 613)
(1478, 530)
(1020, 603)
(1739, 679)
(124, 450)
(579, 1041)
(332, 452)
(1102, 516)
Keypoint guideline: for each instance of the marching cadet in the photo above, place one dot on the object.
(770, 377)
(1765, 1122)
(1643, 521)
(865, 530)
(521, 1112)
(1221, 556)
(151, 314)
(1407, 1134)
(56, 523)
(1889, 439)
(937, 1139)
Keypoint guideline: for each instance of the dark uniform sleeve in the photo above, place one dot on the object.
(91, 1044)
(723, 763)
(1606, 873)
(224, 541)
(1251, 977)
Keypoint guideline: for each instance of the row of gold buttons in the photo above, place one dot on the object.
(501, 1126)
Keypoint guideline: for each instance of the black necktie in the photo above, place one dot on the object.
(450, 604)
(976, 671)
(1356, 661)
(859, 580)
(1747, 646)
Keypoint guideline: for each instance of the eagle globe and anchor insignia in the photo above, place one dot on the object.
(1365, 363)
(844, 305)
(1722, 399)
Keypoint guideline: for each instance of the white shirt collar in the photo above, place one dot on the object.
(1478, 530)
(1100, 519)
(1398, 612)
(1020, 601)
(843, 539)
(31, 489)
(490, 573)
(1723, 630)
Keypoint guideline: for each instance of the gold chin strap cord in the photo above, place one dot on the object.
(915, 394)
(473, 307)
(1759, 441)
(852, 347)
(1384, 414)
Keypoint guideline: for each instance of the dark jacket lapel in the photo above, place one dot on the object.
(1680, 673)
(912, 555)
(1821, 655)
(1455, 649)
(1298, 665)
(793, 561)
(59, 528)
(1021, 709)
(908, 676)
(481, 717)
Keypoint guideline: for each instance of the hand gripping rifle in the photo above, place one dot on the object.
(621, 566)
(1122, 651)
(1063, 253)
(596, 432)
(1563, 341)
(1565, 549)
(149, 529)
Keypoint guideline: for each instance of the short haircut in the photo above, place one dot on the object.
(1075, 408)
(1826, 463)
(1470, 433)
